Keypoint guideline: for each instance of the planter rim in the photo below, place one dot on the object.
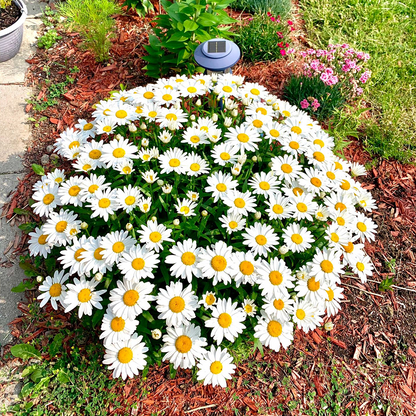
(20, 21)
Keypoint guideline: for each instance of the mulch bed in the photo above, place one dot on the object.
(372, 348)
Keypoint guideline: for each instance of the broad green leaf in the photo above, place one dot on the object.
(190, 26)
(26, 389)
(38, 169)
(62, 377)
(56, 344)
(36, 375)
(22, 286)
(29, 370)
(20, 211)
(25, 351)
(206, 19)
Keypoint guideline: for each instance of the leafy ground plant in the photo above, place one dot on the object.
(92, 19)
(192, 217)
(49, 39)
(264, 38)
(277, 7)
(386, 30)
(142, 7)
(178, 33)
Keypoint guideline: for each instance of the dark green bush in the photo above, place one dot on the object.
(263, 39)
(300, 88)
(277, 7)
(142, 7)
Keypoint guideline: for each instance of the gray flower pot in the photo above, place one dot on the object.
(11, 37)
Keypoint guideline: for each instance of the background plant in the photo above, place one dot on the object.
(92, 19)
(178, 33)
(142, 7)
(5, 3)
(277, 7)
(264, 38)
(48, 39)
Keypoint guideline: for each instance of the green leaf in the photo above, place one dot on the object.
(207, 19)
(62, 377)
(36, 375)
(38, 169)
(28, 227)
(56, 344)
(147, 316)
(25, 351)
(22, 286)
(29, 370)
(20, 211)
(190, 26)
(26, 389)
(98, 316)
(50, 264)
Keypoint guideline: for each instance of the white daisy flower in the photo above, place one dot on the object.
(173, 160)
(166, 115)
(84, 164)
(176, 304)
(293, 189)
(38, 246)
(184, 258)
(191, 88)
(106, 125)
(332, 175)
(318, 156)
(104, 203)
(150, 176)
(56, 225)
(72, 256)
(357, 170)
(90, 185)
(326, 264)
(53, 289)
(185, 207)
(244, 137)
(306, 315)
(121, 113)
(130, 298)
(364, 228)
(226, 321)
(322, 139)
(82, 293)
(57, 176)
(117, 151)
(195, 165)
(183, 345)
(151, 111)
(193, 196)
(219, 184)
(209, 300)
(339, 202)
(138, 263)
(126, 358)
(303, 206)
(224, 153)
(128, 198)
(297, 238)
(254, 91)
(279, 207)
(244, 268)
(166, 97)
(261, 239)
(333, 299)
(239, 202)
(47, 199)
(216, 262)
(69, 191)
(144, 155)
(273, 332)
(249, 307)
(258, 121)
(274, 277)
(216, 367)
(365, 200)
(264, 184)
(194, 137)
(314, 291)
(115, 244)
(286, 167)
(273, 131)
(313, 181)
(115, 328)
(93, 258)
(145, 204)
(363, 267)
(125, 167)
(257, 107)
(233, 222)
(337, 236)
(280, 304)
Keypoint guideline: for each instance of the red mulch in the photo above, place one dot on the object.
(372, 347)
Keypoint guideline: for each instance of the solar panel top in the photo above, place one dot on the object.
(216, 46)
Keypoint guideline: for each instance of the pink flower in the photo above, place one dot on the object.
(289, 22)
(324, 77)
(359, 91)
(315, 104)
(280, 34)
(290, 50)
(282, 52)
(304, 104)
(292, 28)
(272, 19)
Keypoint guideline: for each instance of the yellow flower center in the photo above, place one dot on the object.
(78, 254)
(195, 167)
(340, 221)
(195, 139)
(300, 314)
(313, 285)
(104, 203)
(48, 199)
(92, 188)
(294, 145)
(97, 253)
(131, 297)
(210, 299)
(95, 154)
(225, 156)
(334, 237)
(297, 238)
(340, 206)
(74, 190)
(138, 264)
(277, 209)
(226, 88)
(327, 266)
(248, 308)
(278, 304)
(233, 225)
(320, 157)
(185, 210)
(146, 157)
(58, 180)
(255, 91)
(42, 239)
(60, 226)
(166, 97)
(360, 266)
(264, 185)
(319, 142)
(155, 236)
(274, 133)
(243, 138)
(274, 328)
(219, 263)
(188, 258)
(121, 114)
(298, 191)
(261, 240)
(286, 168)
(152, 114)
(171, 116)
(106, 112)
(119, 153)
(88, 126)
(221, 187)
(127, 170)
(130, 200)
(345, 185)
(215, 367)
(118, 247)
(177, 304)
(183, 344)
(117, 324)
(148, 95)
(338, 166)
(349, 248)
(204, 128)
(316, 182)
(174, 163)
(362, 227)
(286, 113)
(296, 129)
(276, 278)
(55, 290)
(84, 295)
(261, 110)
(86, 167)
(107, 129)
(74, 144)
(330, 175)
(239, 203)
(257, 123)
(224, 320)
(246, 268)
(301, 207)
(330, 293)
(125, 355)
(191, 89)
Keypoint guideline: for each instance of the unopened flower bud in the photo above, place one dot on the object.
(204, 213)
(145, 142)
(242, 159)
(275, 106)
(119, 137)
(245, 101)
(283, 250)
(214, 117)
(257, 215)
(160, 182)
(198, 102)
(154, 219)
(192, 117)
(294, 297)
(329, 326)
(322, 194)
(132, 128)
(39, 279)
(167, 189)
(214, 77)
(84, 226)
(156, 334)
(270, 164)
(98, 277)
(113, 217)
(143, 126)
(129, 226)
(176, 221)
(301, 275)
(217, 89)
(234, 113)
(228, 121)
(254, 159)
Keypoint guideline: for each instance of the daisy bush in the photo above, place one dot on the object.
(199, 212)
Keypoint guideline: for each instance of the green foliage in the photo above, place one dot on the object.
(386, 284)
(278, 7)
(386, 30)
(179, 32)
(24, 351)
(5, 3)
(38, 169)
(330, 98)
(142, 7)
(92, 19)
(48, 39)
(259, 40)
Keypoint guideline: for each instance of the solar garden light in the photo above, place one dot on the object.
(217, 56)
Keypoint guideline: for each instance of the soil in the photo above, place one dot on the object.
(372, 347)
(9, 16)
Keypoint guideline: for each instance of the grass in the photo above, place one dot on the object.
(386, 30)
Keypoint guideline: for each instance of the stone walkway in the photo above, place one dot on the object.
(14, 135)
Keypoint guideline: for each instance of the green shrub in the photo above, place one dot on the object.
(48, 39)
(278, 7)
(263, 39)
(142, 7)
(304, 89)
(92, 19)
(179, 32)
